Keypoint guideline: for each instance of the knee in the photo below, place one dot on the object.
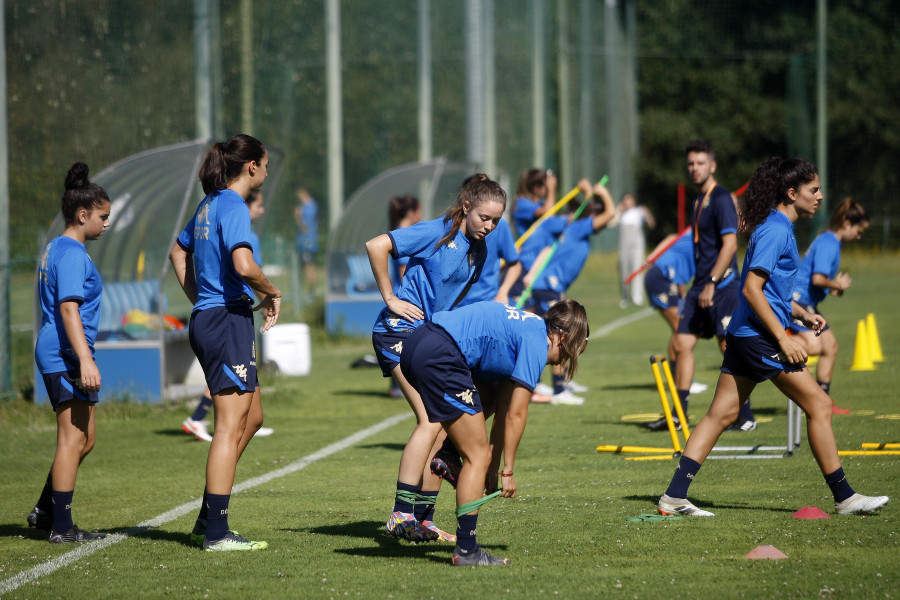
(88, 446)
(831, 347)
(818, 407)
(478, 456)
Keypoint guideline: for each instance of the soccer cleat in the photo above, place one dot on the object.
(542, 389)
(697, 387)
(576, 388)
(75, 534)
(404, 526)
(442, 536)
(680, 506)
(540, 398)
(476, 558)
(446, 465)
(661, 425)
(196, 429)
(40, 519)
(837, 410)
(566, 397)
(857, 504)
(264, 432)
(748, 425)
(232, 542)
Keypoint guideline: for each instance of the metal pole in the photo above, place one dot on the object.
(247, 70)
(202, 61)
(564, 127)
(426, 135)
(474, 81)
(490, 96)
(5, 348)
(334, 110)
(821, 107)
(538, 92)
(587, 165)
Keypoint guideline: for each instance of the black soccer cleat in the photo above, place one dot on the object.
(75, 534)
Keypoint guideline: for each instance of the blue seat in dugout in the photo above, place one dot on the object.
(360, 280)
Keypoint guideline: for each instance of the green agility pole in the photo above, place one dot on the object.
(527, 293)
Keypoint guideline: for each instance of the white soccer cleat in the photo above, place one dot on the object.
(576, 388)
(566, 397)
(196, 429)
(264, 432)
(542, 389)
(697, 387)
(680, 506)
(857, 504)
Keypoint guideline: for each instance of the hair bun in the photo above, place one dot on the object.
(77, 177)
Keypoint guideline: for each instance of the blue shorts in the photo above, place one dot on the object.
(796, 325)
(707, 322)
(756, 357)
(65, 386)
(663, 292)
(434, 366)
(223, 339)
(388, 337)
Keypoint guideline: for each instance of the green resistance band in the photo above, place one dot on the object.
(470, 506)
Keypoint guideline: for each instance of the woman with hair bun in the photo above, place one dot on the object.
(69, 290)
(213, 261)
(758, 347)
(818, 277)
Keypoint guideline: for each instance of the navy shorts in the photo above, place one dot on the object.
(756, 357)
(663, 292)
(796, 325)
(707, 322)
(65, 386)
(388, 339)
(434, 366)
(223, 339)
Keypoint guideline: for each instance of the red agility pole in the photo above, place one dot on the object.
(652, 258)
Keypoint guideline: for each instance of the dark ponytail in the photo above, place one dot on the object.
(769, 187)
(848, 210)
(568, 318)
(399, 207)
(225, 160)
(80, 193)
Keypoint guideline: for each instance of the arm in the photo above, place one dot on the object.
(513, 428)
(753, 292)
(90, 374)
(550, 200)
(536, 267)
(184, 271)
(726, 253)
(609, 210)
(648, 217)
(246, 267)
(835, 286)
(379, 250)
(512, 274)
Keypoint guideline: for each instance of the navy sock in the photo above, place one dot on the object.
(745, 414)
(217, 517)
(682, 478)
(45, 502)
(683, 398)
(840, 488)
(826, 386)
(559, 383)
(402, 501)
(465, 532)
(204, 509)
(62, 511)
(424, 511)
(202, 408)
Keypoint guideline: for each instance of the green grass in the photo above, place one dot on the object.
(566, 532)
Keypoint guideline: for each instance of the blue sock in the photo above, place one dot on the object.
(559, 383)
(45, 502)
(402, 502)
(465, 532)
(840, 488)
(424, 511)
(204, 509)
(683, 399)
(745, 414)
(826, 387)
(202, 408)
(217, 517)
(682, 478)
(62, 511)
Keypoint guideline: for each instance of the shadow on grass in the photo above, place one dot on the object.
(15, 530)
(632, 386)
(385, 446)
(381, 393)
(23, 531)
(716, 506)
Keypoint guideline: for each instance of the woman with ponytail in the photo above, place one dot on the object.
(213, 261)
(69, 290)
(445, 258)
(758, 347)
(818, 277)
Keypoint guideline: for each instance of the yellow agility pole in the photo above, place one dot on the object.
(869, 452)
(555, 209)
(630, 449)
(881, 446)
(654, 366)
(654, 457)
(685, 429)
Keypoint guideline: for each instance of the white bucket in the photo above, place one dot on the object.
(288, 347)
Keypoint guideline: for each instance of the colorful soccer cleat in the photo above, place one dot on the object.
(196, 429)
(447, 466)
(405, 526)
(442, 536)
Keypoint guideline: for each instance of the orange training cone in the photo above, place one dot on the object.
(874, 342)
(862, 355)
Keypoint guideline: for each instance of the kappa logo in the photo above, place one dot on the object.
(203, 214)
(452, 245)
(690, 475)
(467, 397)
(393, 322)
(398, 347)
(554, 281)
(726, 321)
(241, 371)
(781, 357)
(663, 298)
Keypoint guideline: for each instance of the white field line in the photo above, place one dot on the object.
(84, 550)
(613, 325)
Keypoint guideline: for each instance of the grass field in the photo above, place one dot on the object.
(566, 532)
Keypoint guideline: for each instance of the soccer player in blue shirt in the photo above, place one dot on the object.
(446, 257)
(759, 348)
(306, 215)
(666, 277)
(535, 195)
(818, 277)
(487, 342)
(213, 261)
(69, 290)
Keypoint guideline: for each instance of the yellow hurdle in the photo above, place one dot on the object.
(869, 452)
(675, 400)
(881, 446)
(654, 366)
(629, 449)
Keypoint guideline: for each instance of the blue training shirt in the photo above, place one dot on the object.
(711, 219)
(498, 341)
(500, 245)
(254, 245)
(523, 213)
(308, 241)
(571, 254)
(221, 224)
(67, 273)
(823, 257)
(546, 233)
(677, 263)
(773, 249)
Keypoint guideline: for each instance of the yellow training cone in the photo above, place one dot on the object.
(862, 355)
(874, 342)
